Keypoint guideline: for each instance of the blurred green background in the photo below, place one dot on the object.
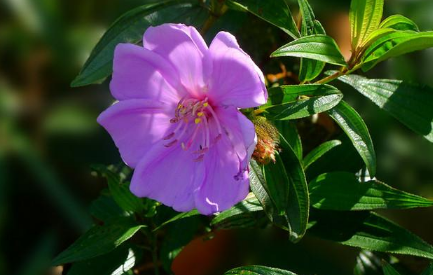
(49, 136)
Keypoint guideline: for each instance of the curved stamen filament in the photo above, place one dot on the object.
(207, 133)
(191, 140)
(214, 116)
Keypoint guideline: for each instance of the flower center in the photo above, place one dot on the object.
(193, 113)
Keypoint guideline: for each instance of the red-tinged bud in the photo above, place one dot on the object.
(267, 140)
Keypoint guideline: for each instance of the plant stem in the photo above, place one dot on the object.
(155, 255)
(330, 77)
(153, 248)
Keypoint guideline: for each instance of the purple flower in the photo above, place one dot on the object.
(177, 120)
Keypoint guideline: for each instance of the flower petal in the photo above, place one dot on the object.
(221, 188)
(140, 73)
(240, 131)
(135, 126)
(234, 79)
(249, 135)
(183, 47)
(168, 175)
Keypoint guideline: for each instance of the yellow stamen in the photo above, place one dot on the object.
(179, 106)
(199, 114)
(205, 104)
(197, 120)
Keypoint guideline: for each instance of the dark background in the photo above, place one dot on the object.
(49, 137)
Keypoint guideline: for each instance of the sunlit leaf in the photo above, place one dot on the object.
(275, 12)
(354, 126)
(318, 47)
(98, 240)
(298, 101)
(247, 213)
(258, 270)
(370, 263)
(309, 68)
(343, 191)
(395, 44)
(399, 22)
(117, 262)
(365, 17)
(411, 104)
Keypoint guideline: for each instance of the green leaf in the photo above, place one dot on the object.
(245, 214)
(290, 133)
(367, 231)
(389, 270)
(98, 240)
(353, 125)
(104, 208)
(374, 36)
(122, 195)
(258, 270)
(411, 104)
(117, 262)
(428, 270)
(277, 184)
(342, 158)
(129, 28)
(318, 47)
(298, 101)
(259, 187)
(365, 17)
(176, 236)
(275, 12)
(399, 22)
(309, 68)
(370, 263)
(319, 151)
(299, 201)
(294, 216)
(179, 216)
(343, 191)
(395, 44)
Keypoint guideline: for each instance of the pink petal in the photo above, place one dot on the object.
(184, 48)
(240, 130)
(220, 189)
(168, 175)
(234, 79)
(140, 73)
(135, 126)
(249, 135)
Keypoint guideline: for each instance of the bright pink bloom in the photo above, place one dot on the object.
(177, 120)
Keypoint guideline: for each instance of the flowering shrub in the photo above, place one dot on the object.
(204, 134)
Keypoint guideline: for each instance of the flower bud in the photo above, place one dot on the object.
(267, 140)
